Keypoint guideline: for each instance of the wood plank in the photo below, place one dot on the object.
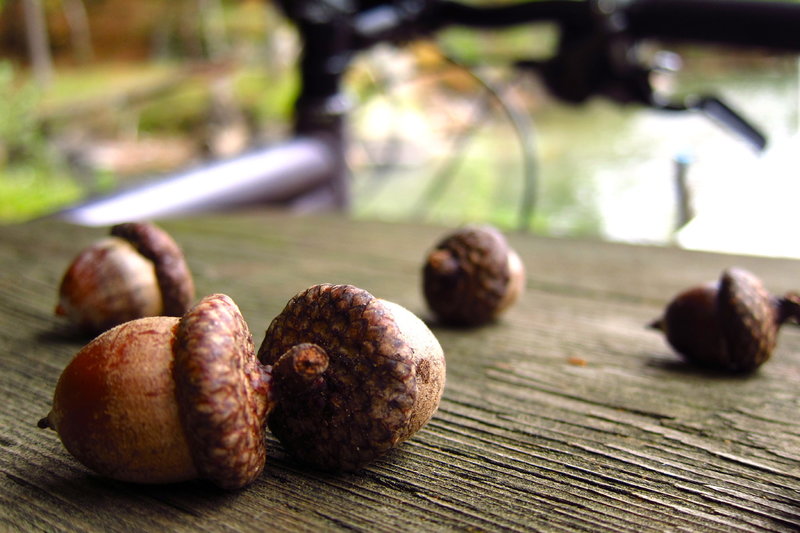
(566, 415)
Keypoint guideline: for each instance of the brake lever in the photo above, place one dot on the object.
(718, 111)
(602, 60)
(635, 87)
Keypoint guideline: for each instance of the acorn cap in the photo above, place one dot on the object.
(466, 277)
(173, 274)
(362, 405)
(222, 392)
(749, 318)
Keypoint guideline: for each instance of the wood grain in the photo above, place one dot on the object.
(566, 415)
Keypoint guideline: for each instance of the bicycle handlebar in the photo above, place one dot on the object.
(770, 24)
(594, 55)
(760, 24)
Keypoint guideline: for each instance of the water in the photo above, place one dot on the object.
(743, 201)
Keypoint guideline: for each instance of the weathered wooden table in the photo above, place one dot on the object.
(566, 415)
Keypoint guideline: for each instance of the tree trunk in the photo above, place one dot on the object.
(80, 32)
(38, 41)
(213, 27)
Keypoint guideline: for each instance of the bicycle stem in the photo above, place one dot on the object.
(321, 107)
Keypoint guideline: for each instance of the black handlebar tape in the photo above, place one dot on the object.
(771, 24)
(774, 25)
(564, 12)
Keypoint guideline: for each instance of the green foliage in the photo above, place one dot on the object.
(179, 112)
(31, 177)
(19, 134)
(523, 42)
(269, 96)
(27, 191)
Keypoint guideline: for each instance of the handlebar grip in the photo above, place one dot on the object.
(731, 22)
(564, 12)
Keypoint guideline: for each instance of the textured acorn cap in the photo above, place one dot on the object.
(471, 276)
(384, 379)
(173, 274)
(222, 392)
(749, 318)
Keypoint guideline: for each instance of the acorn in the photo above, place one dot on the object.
(384, 381)
(730, 325)
(138, 271)
(166, 399)
(472, 276)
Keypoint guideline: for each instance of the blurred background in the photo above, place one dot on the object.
(100, 94)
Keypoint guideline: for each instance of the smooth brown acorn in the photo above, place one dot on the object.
(384, 381)
(472, 276)
(138, 271)
(166, 399)
(730, 325)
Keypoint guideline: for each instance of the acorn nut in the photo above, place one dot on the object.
(384, 381)
(166, 399)
(472, 276)
(138, 271)
(730, 325)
